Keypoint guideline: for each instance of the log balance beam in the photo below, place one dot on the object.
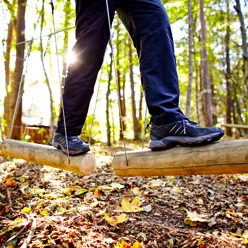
(48, 155)
(229, 157)
(235, 126)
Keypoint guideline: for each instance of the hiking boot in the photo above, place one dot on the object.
(76, 146)
(183, 132)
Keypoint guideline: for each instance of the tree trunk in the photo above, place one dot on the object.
(51, 130)
(8, 78)
(238, 9)
(18, 73)
(245, 53)
(8, 72)
(206, 83)
(135, 120)
(190, 52)
(108, 127)
(228, 72)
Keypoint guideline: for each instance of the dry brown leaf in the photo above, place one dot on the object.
(193, 218)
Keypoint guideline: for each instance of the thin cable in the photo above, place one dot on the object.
(94, 112)
(61, 94)
(45, 35)
(116, 78)
(19, 90)
(144, 132)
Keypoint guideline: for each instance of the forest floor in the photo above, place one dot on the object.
(45, 207)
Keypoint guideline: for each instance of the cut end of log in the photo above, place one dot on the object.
(47, 155)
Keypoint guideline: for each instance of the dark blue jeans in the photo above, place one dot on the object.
(149, 28)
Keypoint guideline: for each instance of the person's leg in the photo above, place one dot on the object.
(92, 34)
(149, 27)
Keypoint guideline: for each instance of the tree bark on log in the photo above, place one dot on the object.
(219, 158)
(47, 155)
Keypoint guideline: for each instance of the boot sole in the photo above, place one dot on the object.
(172, 141)
(72, 153)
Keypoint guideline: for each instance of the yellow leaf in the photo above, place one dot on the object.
(18, 221)
(176, 190)
(113, 221)
(124, 244)
(245, 234)
(26, 210)
(136, 191)
(130, 207)
(136, 245)
(200, 201)
(44, 213)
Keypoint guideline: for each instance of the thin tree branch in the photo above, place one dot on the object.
(30, 235)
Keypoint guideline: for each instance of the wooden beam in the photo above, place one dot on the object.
(229, 157)
(48, 155)
(235, 126)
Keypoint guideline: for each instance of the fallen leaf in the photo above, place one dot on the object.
(193, 218)
(157, 183)
(114, 220)
(44, 213)
(26, 210)
(176, 190)
(124, 244)
(245, 234)
(98, 192)
(81, 191)
(10, 182)
(243, 178)
(117, 186)
(130, 207)
(136, 191)
(136, 245)
(148, 208)
(200, 201)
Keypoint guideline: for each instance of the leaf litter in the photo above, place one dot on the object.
(44, 207)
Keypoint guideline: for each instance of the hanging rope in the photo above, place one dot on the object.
(19, 90)
(61, 93)
(116, 78)
(144, 132)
